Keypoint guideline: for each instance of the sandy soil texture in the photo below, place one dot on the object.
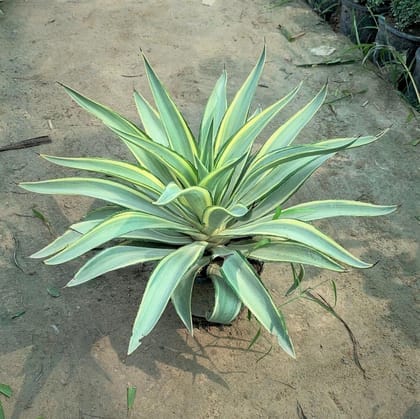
(65, 357)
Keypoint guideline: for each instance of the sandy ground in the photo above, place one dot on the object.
(66, 357)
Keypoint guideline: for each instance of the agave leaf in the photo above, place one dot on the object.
(202, 170)
(181, 299)
(287, 252)
(247, 285)
(257, 111)
(285, 135)
(112, 120)
(115, 226)
(177, 131)
(197, 198)
(165, 278)
(227, 305)
(165, 236)
(106, 190)
(220, 175)
(76, 230)
(317, 210)
(237, 112)
(358, 142)
(212, 116)
(300, 232)
(115, 258)
(240, 143)
(280, 185)
(175, 163)
(118, 169)
(239, 146)
(215, 218)
(58, 244)
(168, 237)
(284, 181)
(95, 217)
(274, 159)
(181, 296)
(150, 119)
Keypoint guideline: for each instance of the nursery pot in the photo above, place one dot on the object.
(411, 93)
(359, 22)
(401, 41)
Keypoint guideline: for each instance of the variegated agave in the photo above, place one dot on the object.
(207, 204)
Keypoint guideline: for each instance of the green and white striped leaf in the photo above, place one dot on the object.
(300, 232)
(58, 244)
(274, 159)
(317, 210)
(282, 182)
(248, 287)
(219, 176)
(179, 167)
(181, 296)
(285, 135)
(112, 120)
(237, 112)
(215, 218)
(165, 278)
(241, 142)
(212, 116)
(96, 217)
(150, 119)
(116, 226)
(227, 305)
(177, 131)
(287, 252)
(106, 190)
(118, 169)
(115, 258)
(280, 185)
(160, 236)
(196, 198)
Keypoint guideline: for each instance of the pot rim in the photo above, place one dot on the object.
(397, 32)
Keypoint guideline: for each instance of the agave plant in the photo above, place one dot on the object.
(208, 204)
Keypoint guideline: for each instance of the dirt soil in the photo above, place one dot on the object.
(65, 356)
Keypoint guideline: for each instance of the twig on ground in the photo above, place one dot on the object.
(318, 298)
(300, 412)
(338, 61)
(31, 142)
(15, 251)
(349, 94)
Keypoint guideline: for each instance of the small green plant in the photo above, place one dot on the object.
(325, 8)
(394, 68)
(6, 390)
(406, 13)
(374, 4)
(209, 205)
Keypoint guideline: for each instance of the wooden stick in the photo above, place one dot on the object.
(31, 142)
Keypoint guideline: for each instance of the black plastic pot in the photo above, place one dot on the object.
(359, 22)
(401, 41)
(411, 92)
